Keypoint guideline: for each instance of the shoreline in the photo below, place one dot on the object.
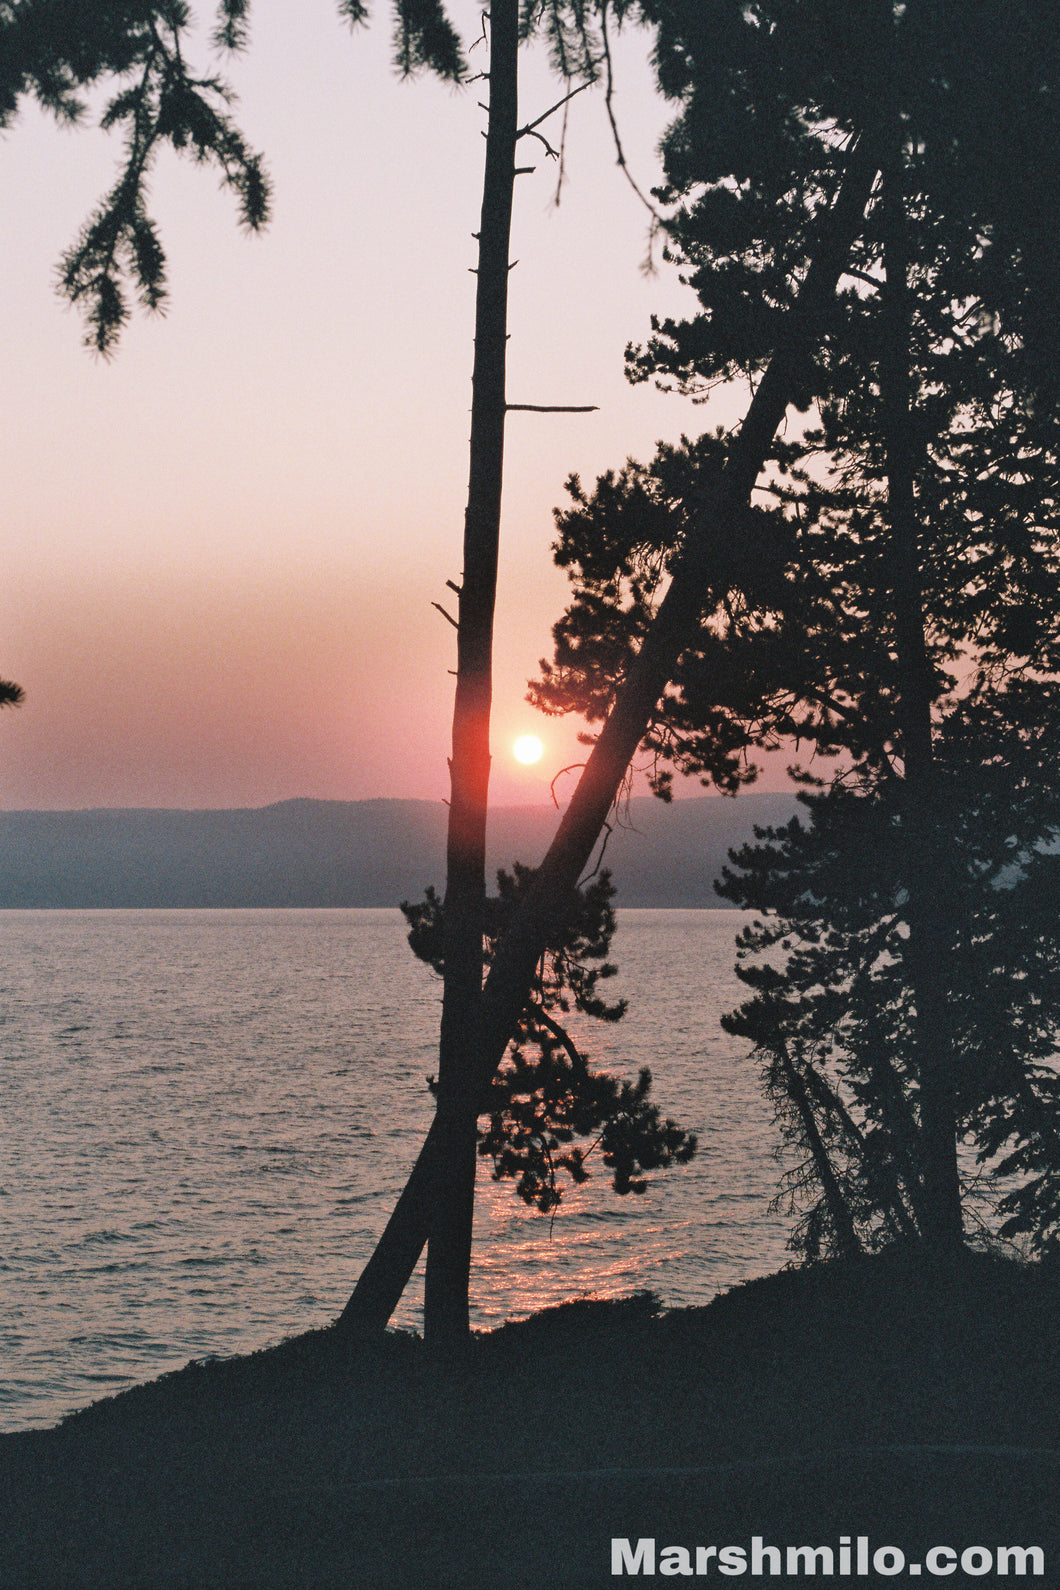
(870, 1400)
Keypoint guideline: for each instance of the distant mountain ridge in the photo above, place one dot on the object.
(344, 853)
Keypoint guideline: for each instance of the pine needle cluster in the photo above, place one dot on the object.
(549, 1108)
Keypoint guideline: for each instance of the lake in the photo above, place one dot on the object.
(207, 1117)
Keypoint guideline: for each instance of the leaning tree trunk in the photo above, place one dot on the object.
(450, 1205)
(924, 868)
(713, 558)
(839, 1210)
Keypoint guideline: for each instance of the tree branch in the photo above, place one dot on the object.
(529, 128)
(552, 408)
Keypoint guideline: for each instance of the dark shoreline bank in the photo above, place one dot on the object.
(873, 1399)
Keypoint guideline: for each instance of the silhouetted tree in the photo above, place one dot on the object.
(902, 608)
(704, 564)
(834, 1012)
(448, 1204)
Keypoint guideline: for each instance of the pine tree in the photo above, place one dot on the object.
(902, 610)
(720, 520)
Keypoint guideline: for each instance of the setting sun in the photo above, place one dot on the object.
(527, 749)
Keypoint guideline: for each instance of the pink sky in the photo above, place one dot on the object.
(222, 547)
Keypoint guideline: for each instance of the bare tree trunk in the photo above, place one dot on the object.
(835, 1201)
(889, 1189)
(924, 866)
(451, 1202)
(711, 560)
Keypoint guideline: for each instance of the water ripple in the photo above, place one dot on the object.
(208, 1116)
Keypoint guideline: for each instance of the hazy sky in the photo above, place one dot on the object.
(222, 546)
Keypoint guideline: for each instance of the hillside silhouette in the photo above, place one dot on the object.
(344, 853)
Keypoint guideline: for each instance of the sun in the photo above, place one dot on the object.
(527, 749)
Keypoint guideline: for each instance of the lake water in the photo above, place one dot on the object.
(206, 1117)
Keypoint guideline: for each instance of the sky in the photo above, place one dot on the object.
(222, 546)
